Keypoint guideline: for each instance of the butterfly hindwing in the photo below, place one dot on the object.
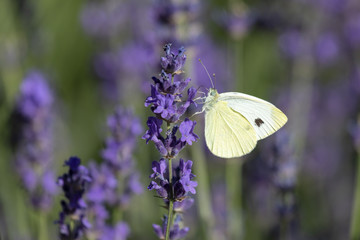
(228, 134)
(264, 117)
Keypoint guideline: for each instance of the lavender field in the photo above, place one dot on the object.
(102, 136)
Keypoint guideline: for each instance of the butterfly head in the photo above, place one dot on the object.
(213, 92)
(211, 98)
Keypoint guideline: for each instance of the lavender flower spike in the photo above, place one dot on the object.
(32, 139)
(168, 105)
(107, 193)
(72, 219)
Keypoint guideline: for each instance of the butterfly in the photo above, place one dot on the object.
(234, 122)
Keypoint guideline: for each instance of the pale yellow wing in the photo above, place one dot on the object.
(263, 116)
(227, 133)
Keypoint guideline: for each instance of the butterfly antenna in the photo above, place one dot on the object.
(207, 73)
(214, 77)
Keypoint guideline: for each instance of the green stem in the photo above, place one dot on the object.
(234, 201)
(171, 202)
(42, 227)
(355, 221)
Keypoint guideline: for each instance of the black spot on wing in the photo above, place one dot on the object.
(258, 122)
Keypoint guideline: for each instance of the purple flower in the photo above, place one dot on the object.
(165, 106)
(181, 182)
(153, 98)
(104, 187)
(185, 168)
(186, 129)
(164, 85)
(165, 99)
(188, 185)
(173, 63)
(154, 131)
(35, 95)
(124, 129)
(48, 182)
(33, 140)
(123, 125)
(159, 169)
(74, 184)
(106, 191)
(168, 104)
(186, 176)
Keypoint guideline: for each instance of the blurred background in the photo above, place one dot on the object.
(87, 58)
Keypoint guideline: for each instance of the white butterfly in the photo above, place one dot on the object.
(234, 122)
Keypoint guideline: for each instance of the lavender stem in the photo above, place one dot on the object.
(355, 221)
(171, 202)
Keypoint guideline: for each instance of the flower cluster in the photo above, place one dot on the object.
(182, 185)
(124, 128)
(168, 104)
(181, 181)
(106, 191)
(170, 146)
(32, 138)
(72, 220)
(173, 63)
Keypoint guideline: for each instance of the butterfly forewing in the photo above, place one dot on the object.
(227, 133)
(264, 117)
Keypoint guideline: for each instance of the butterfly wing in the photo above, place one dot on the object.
(263, 116)
(227, 133)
